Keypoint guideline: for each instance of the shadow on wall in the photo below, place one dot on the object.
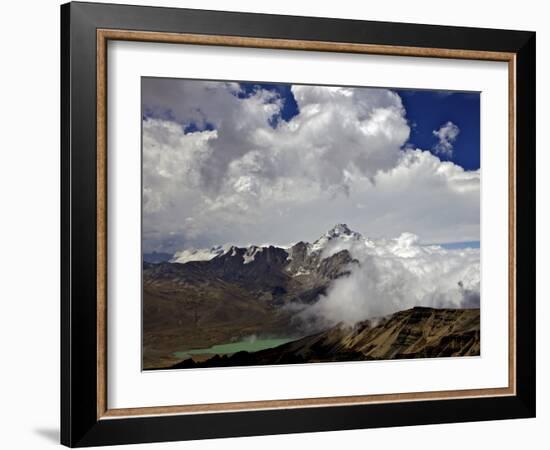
(49, 434)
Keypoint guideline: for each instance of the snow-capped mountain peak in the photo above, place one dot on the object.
(340, 229)
(338, 234)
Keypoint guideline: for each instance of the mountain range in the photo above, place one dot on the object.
(206, 297)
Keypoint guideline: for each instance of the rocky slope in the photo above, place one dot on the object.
(415, 333)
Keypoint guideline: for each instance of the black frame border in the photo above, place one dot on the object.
(79, 423)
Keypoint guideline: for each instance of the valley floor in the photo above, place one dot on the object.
(414, 333)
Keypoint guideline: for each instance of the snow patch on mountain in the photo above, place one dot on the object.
(201, 254)
(251, 253)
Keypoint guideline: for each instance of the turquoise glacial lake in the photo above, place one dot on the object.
(248, 345)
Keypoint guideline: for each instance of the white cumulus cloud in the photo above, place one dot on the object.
(397, 274)
(446, 135)
(239, 179)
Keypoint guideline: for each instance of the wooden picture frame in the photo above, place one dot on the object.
(86, 418)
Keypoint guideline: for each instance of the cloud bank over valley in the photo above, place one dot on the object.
(395, 274)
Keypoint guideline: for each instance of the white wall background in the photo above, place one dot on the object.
(29, 228)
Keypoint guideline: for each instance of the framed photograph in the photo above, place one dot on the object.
(276, 224)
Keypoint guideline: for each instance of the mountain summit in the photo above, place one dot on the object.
(340, 229)
(340, 233)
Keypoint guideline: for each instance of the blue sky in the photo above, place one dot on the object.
(429, 110)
